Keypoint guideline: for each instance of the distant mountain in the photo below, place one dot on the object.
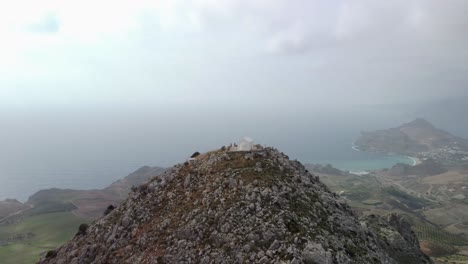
(10, 206)
(426, 168)
(239, 207)
(443, 112)
(325, 169)
(88, 203)
(410, 139)
(121, 188)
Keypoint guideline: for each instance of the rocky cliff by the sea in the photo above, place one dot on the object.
(239, 207)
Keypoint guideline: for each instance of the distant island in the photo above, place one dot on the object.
(418, 138)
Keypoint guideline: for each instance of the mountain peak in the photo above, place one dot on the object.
(225, 206)
(420, 123)
(416, 138)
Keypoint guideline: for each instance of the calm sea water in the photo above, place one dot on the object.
(366, 162)
(91, 149)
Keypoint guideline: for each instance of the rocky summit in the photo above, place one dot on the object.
(239, 207)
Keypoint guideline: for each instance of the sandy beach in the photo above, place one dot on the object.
(416, 161)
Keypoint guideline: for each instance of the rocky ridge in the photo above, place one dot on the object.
(238, 207)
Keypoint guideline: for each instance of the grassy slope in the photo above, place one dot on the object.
(51, 230)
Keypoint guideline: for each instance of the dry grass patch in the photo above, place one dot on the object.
(451, 177)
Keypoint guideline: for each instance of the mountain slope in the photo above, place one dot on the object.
(11, 206)
(238, 207)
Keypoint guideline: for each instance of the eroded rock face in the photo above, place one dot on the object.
(233, 207)
(397, 238)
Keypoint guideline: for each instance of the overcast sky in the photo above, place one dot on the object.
(212, 52)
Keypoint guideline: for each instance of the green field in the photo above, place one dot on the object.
(426, 232)
(456, 258)
(50, 231)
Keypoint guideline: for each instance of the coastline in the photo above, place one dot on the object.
(354, 146)
(416, 161)
(359, 173)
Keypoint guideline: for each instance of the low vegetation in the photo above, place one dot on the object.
(436, 234)
(50, 230)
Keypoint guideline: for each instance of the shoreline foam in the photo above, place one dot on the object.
(416, 161)
(360, 173)
(354, 147)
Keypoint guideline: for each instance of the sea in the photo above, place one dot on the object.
(91, 148)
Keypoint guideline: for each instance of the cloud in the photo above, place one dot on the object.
(126, 50)
(291, 40)
(48, 24)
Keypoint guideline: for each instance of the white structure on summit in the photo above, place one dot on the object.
(245, 144)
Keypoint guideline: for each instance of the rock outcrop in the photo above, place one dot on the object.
(238, 207)
(397, 238)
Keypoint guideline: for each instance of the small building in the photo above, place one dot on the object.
(245, 144)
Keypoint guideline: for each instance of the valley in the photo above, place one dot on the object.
(428, 202)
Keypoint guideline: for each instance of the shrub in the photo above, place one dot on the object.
(194, 155)
(82, 229)
(109, 209)
(51, 254)
(143, 188)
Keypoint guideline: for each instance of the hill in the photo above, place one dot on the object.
(239, 207)
(413, 139)
(325, 169)
(11, 206)
(89, 204)
(427, 167)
